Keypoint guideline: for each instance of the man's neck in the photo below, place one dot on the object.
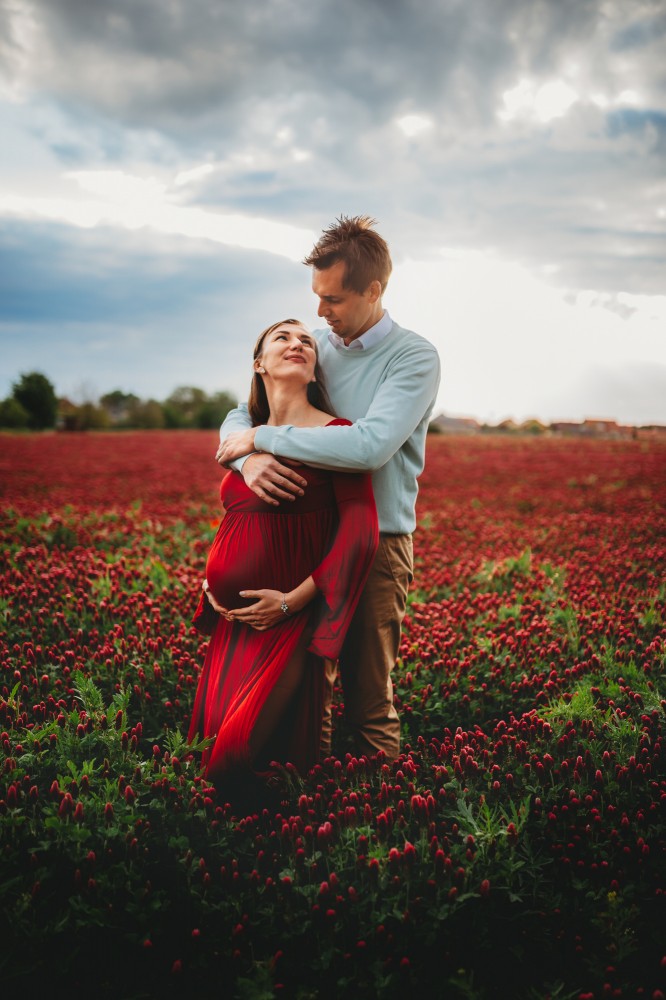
(377, 314)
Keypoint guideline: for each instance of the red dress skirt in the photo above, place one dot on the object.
(330, 533)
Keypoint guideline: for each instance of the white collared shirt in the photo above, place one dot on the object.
(368, 339)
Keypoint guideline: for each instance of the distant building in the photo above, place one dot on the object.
(607, 428)
(455, 425)
(650, 433)
(590, 427)
(594, 428)
(566, 427)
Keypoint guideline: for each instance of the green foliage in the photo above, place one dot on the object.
(213, 411)
(35, 393)
(33, 405)
(501, 576)
(148, 415)
(119, 406)
(189, 406)
(85, 417)
(183, 405)
(13, 415)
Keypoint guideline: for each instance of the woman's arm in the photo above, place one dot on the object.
(267, 609)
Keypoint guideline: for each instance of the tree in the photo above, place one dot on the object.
(119, 405)
(92, 418)
(182, 406)
(148, 415)
(12, 414)
(37, 397)
(214, 410)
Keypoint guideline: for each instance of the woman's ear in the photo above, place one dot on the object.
(258, 367)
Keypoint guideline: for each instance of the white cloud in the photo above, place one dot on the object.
(412, 125)
(133, 202)
(544, 102)
(629, 97)
(512, 345)
(193, 174)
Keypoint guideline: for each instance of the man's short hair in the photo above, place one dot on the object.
(364, 252)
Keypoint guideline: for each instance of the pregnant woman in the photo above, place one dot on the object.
(282, 583)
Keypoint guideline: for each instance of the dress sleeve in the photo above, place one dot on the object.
(342, 574)
(205, 617)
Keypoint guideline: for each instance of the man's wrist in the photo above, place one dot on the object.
(263, 438)
(238, 463)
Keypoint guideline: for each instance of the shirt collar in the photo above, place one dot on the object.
(368, 339)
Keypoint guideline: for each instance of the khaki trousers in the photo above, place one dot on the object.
(369, 653)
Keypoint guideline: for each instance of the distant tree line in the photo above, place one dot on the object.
(33, 405)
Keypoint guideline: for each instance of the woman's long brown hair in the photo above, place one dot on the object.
(257, 403)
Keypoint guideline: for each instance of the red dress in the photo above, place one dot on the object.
(330, 533)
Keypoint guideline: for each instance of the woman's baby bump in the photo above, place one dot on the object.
(243, 558)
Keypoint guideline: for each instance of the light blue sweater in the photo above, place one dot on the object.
(389, 391)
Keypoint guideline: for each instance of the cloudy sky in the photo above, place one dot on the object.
(166, 164)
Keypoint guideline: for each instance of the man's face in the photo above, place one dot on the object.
(348, 313)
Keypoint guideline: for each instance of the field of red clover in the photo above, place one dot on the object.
(515, 849)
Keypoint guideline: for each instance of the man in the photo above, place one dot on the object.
(385, 379)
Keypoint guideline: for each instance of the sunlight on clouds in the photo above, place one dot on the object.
(132, 202)
(83, 214)
(626, 98)
(412, 125)
(630, 97)
(195, 174)
(553, 100)
(117, 187)
(545, 102)
(506, 336)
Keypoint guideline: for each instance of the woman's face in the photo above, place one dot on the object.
(288, 352)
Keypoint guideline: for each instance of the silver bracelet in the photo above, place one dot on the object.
(284, 607)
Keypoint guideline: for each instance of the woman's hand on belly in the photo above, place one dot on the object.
(264, 613)
(211, 600)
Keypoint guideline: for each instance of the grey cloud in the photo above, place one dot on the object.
(215, 78)
(639, 33)
(53, 272)
(215, 74)
(646, 123)
(175, 65)
(134, 310)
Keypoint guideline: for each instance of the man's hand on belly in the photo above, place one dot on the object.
(271, 480)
